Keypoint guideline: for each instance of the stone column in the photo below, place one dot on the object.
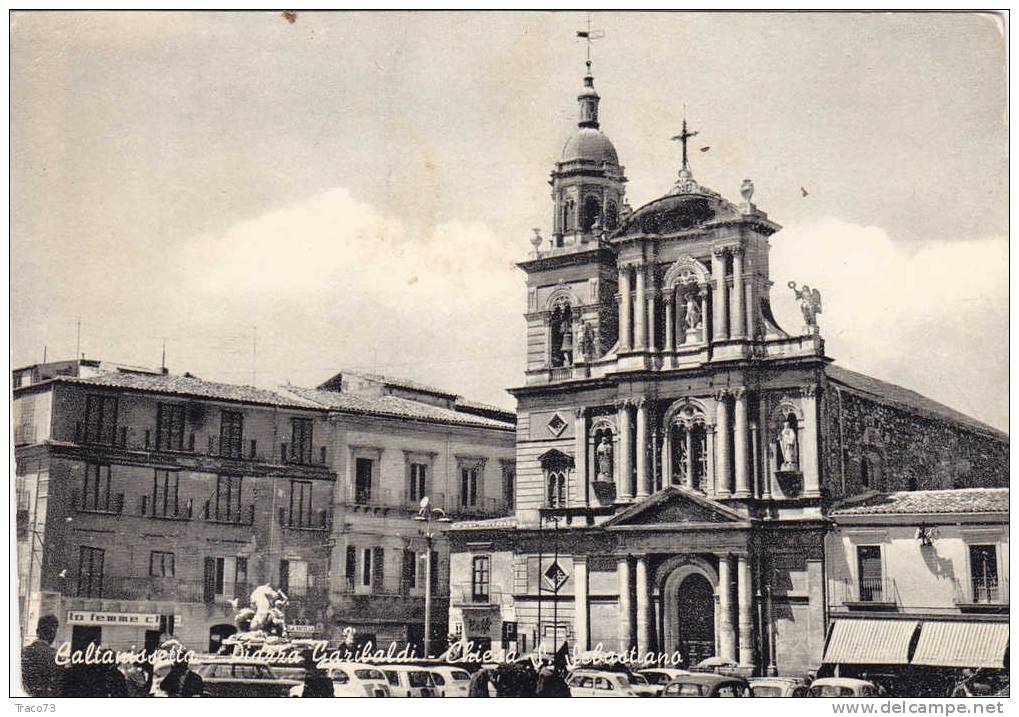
(581, 479)
(711, 478)
(742, 434)
(640, 312)
(643, 607)
(643, 474)
(738, 302)
(808, 443)
(755, 461)
(762, 446)
(723, 481)
(689, 457)
(652, 298)
(726, 634)
(666, 455)
(624, 308)
(704, 313)
(670, 325)
(581, 623)
(746, 607)
(624, 488)
(721, 295)
(625, 608)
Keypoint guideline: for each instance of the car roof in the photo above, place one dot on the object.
(776, 681)
(706, 679)
(841, 681)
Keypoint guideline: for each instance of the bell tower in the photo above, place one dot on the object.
(588, 184)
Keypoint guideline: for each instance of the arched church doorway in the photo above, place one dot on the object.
(695, 603)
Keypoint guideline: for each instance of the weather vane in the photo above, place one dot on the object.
(590, 36)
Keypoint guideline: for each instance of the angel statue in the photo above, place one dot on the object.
(810, 304)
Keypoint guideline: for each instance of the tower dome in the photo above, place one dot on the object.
(588, 143)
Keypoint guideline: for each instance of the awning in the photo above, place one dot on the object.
(870, 642)
(962, 644)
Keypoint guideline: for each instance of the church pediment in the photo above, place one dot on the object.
(674, 506)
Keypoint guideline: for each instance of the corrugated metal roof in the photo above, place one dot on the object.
(870, 642)
(962, 644)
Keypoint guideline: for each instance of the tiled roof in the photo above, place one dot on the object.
(488, 523)
(401, 383)
(188, 386)
(884, 392)
(393, 406)
(962, 500)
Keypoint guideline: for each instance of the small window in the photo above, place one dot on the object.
(161, 564)
(393, 678)
(339, 676)
(600, 683)
(419, 679)
(480, 578)
(439, 679)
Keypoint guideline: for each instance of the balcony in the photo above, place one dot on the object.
(466, 594)
(866, 593)
(313, 456)
(236, 515)
(319, 520)
(168, 589)
(982, 594)
(112, 504)
(160, 511)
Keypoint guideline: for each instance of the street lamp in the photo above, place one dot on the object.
(427, 514)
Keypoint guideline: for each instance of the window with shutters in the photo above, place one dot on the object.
(165, 494)
(161, 564)
(90, 571)
(350, 567)
(300, 504)
(983, 566)
(871, 583)
(509, 480)
(409, 574)
(363, 469)
(366, 567)
(480, 578)
(231, 434)
(170, 427)
(378, 569)
(100, 419)
(227, 501)
(300, 440)
(95, 495)
(469, 487)
(418, 488)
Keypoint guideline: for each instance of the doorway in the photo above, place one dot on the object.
(695, 603)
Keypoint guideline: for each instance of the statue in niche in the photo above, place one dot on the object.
(603, 454)
(586, 343)
(693, 312)
(787, 442)
(566, 347)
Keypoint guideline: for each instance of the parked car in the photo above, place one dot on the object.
(450, 681)
(409, 681)
(352, 679)
(842, 687)
(600, 683)
(778, 687)
(642, 686)
(242, 678)
(658, 677)
(707, 685)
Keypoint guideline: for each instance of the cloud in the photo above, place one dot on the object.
(931, 316)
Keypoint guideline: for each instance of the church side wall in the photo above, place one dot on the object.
(874, 446)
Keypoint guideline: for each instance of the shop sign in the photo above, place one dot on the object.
(477, 624)
(128, 619)
(301, 629)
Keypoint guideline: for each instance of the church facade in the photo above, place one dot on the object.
(677, 450)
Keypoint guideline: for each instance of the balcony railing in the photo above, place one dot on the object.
(314, 456)
(865, 591)
(469, 594)
(112, 504)
(316, 520)
(182, 510)
(981, 591)
(169, 589)
(236, 515)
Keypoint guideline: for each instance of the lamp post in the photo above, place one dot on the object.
(427, 514)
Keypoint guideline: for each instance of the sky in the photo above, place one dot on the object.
(278, 201)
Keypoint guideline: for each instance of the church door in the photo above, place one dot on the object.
(696, 606)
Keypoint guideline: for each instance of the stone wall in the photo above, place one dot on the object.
(872, 446)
